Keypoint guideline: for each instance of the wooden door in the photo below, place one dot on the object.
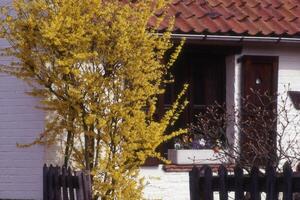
(258, 106)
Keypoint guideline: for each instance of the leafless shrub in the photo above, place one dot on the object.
(264, 130)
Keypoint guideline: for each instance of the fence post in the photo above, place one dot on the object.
(79, 193)
(64, 183)
(238, 183)
(287, 182)
(45, 185)
(59, 184)
(254, 184)
(208, 193)
(194, 184)
(56, 183)
(88, 185)
(51, 183)
(223, 183)
(70, 184)
(271, 183)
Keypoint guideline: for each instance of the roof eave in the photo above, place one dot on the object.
(238, 39)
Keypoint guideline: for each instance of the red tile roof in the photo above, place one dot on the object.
(236, 17)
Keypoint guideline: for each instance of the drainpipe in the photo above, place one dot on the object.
(236, 38)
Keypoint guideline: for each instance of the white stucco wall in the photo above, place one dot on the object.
(161, 185)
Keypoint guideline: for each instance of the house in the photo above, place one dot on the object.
(231, 46)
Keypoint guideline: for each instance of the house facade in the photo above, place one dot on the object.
(172, 181)
(231, 46)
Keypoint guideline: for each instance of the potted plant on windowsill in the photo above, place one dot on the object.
(195, 149)
(206, 140)
(199, 147)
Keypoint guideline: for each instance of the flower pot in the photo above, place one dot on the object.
(193, 156)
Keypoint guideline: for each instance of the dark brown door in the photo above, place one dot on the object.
(259, 103)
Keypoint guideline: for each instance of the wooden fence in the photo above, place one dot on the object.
(60, 183)
(203, 183)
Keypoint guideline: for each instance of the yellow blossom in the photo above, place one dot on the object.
(99, 72)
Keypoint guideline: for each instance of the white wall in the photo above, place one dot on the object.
(20, 122)
(231, 80)
(161, 185)
(20, 168)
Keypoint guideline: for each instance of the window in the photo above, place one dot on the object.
(206, 75)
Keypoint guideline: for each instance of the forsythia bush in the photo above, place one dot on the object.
(98, 69)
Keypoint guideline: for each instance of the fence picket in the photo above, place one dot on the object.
(70, 184)
(203, 185)
(64, 183)
(194, 184)
(208, 192)
(50, 183)
(60, 183)
(287, 180)
(85, 185)
(56, 183)
(223, 183)
(89, 185)
(79, 193)
(254, 185)
(45, 183)
(271, 183)
(238, 183)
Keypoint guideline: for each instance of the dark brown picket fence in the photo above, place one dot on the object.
(203, 183)
(60, 183)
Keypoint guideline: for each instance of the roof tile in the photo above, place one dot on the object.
(250, 12)
(208, 22)
(198, 27)
(197, 10)
(252, 3)
(214, 3)
(236, 11)
(185, 26)
(223, 12)
(240, 17)
(288, 15)
(237, 27)
(263, 13)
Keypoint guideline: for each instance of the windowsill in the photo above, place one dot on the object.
(194, 156)
(189, 167)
